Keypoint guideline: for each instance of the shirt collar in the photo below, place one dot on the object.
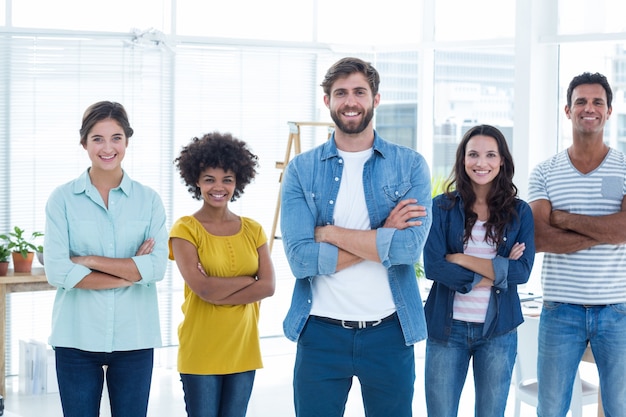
(330, 147)
(83, 183)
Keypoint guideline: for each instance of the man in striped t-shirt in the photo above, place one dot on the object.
(577, 199)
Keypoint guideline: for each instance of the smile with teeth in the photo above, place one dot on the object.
(107, 158)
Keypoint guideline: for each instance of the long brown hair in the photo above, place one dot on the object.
(502, 196)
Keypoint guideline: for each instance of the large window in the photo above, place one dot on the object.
(183, 68)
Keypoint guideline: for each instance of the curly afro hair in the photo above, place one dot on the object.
(216, 150)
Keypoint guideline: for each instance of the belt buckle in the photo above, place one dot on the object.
(347, 324)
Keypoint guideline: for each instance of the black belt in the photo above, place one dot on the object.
(352, 324)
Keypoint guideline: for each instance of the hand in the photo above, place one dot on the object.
(517, 251)
(80, 260)
(321, 233)
(484, 282)
(451, 257)
(558, 218)
(146, 247)
(201, 269)
(400, 216)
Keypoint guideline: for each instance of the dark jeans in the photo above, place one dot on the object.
(217, 395)
(81, 377)
(329, 356)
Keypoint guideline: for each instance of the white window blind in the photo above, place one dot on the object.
(172, 93)
(47, 82)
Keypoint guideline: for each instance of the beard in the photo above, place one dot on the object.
(352, 127)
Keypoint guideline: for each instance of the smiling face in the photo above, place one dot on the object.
(217, 186)
(482, 160)
(589, 110)
(106, 145)
(351, 103)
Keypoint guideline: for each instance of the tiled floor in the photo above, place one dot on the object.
(271, 397)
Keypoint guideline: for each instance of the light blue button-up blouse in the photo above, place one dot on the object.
(78, 224)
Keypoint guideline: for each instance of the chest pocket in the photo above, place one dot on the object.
(395, 193)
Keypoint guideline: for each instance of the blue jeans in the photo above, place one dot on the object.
(329, 356)
(217, 395)
(80, 375)
(447, 365)
(564, 330)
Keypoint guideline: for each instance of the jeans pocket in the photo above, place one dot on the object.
(619, 308)
(551, 305)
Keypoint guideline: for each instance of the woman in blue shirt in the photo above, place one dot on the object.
(480, 247)
(105, 249)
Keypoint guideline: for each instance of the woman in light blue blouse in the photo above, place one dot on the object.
(105, 249)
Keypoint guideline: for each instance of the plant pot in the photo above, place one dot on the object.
(4, 269)
(21, 264)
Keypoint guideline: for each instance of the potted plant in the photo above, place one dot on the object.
(23, 248)
(5, 252)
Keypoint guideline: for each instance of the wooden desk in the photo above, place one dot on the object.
(16, 282)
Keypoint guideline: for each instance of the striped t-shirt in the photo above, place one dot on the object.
(472, 306)
(597, 275)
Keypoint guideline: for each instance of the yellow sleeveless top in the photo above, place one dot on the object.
(219, 339)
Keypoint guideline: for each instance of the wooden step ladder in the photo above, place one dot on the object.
(292, 143)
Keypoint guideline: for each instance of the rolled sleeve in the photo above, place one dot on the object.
(152, 267)
(501, 270)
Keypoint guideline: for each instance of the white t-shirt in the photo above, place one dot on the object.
(361, 291)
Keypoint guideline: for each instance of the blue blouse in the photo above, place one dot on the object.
(504, 312)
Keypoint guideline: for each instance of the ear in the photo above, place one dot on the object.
(376, 100)
(567, 111)
(327, 100)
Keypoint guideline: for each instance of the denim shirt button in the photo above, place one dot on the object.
(340, 161)
(336, 179)
(331, 202)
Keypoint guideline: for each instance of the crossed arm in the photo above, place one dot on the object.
(224, 290)
(483, 266)
(107, 273)
(558, 231)
(358, 245)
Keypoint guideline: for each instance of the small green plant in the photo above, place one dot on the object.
(19, 243)
(5, 253)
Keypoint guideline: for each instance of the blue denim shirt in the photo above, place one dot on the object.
(309, 190)
(504, 312)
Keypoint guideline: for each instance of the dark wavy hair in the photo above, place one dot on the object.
(502, 197)
(104, 110)
(589, 78)
(216, 150)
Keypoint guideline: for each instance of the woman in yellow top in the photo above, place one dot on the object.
(225, 262)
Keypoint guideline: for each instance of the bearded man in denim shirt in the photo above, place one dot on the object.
(354, 220)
